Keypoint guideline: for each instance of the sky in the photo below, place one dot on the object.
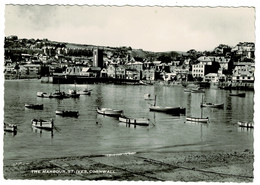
(147, 28)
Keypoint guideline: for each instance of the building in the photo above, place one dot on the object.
(98, 58)
(133, 74)
(203, 68)
(149, 74)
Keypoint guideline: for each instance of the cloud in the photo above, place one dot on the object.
(150, 28)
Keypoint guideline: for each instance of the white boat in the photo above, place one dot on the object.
(10, 127)
(135, 121)
(245, 124)
(195, 119)
(69, 113)
(109, 111)
(44, 95)
(200, 119)
(43, 124)
(212, 105)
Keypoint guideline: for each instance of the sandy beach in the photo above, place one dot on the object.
(220, 166)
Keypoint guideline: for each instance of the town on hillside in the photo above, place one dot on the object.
(67, 62)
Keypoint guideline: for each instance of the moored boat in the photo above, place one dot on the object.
(175, 110)
(69, 113)
(245, 124)
(238, 94)
(34, 106)
(109, 112)
(195, 119)
(43, 124)
(10, 127)
(135, 121)
(73, 93)
(212, 105)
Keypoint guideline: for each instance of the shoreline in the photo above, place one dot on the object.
(192, 166)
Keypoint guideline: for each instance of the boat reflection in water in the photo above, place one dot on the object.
(43, 132)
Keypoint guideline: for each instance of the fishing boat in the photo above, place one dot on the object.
(212, 105)
(42, 124)
(110, 112)
(238, 94)
(10, 127)
(174, 110)
(69, 113)
(245, 124)
(34, 106)
(135, 121)
(198, 119)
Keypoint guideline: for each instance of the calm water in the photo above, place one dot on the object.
(91, 133)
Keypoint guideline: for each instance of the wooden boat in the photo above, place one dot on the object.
(10, 127)
(69, 113)
(195, 119)
(245, 124)
(135, 121)
(212, 105)
(173, 110)
(43, 124)
(198, 119)
(109, 112)
(165, 109)
(238, 94)
(182, 110)
(34, 106)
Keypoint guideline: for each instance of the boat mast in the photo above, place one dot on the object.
(201, 110)
(154, 100)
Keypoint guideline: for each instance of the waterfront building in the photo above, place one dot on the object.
(243, 72)
(133, 74)
(136, 65)
(204, 67)
(149, 74)
(169, 76)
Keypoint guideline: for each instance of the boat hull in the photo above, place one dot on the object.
(213, 105)
(194, 119)
(67, 113)
(135, 121)
(109, 112)
(34, 106)
(42, 124)
(175, 110)
(10, 127)
(245, 124)
(238, 94)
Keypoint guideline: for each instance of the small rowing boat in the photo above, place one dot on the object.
(43, 124)
(109, 112)
(238, 94)
(212, 105)
(195, 119)
(73, 93)
(135, 121)
(34, 106)
(245, 124)
(68, 113)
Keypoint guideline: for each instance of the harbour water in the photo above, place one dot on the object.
(93, 134)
